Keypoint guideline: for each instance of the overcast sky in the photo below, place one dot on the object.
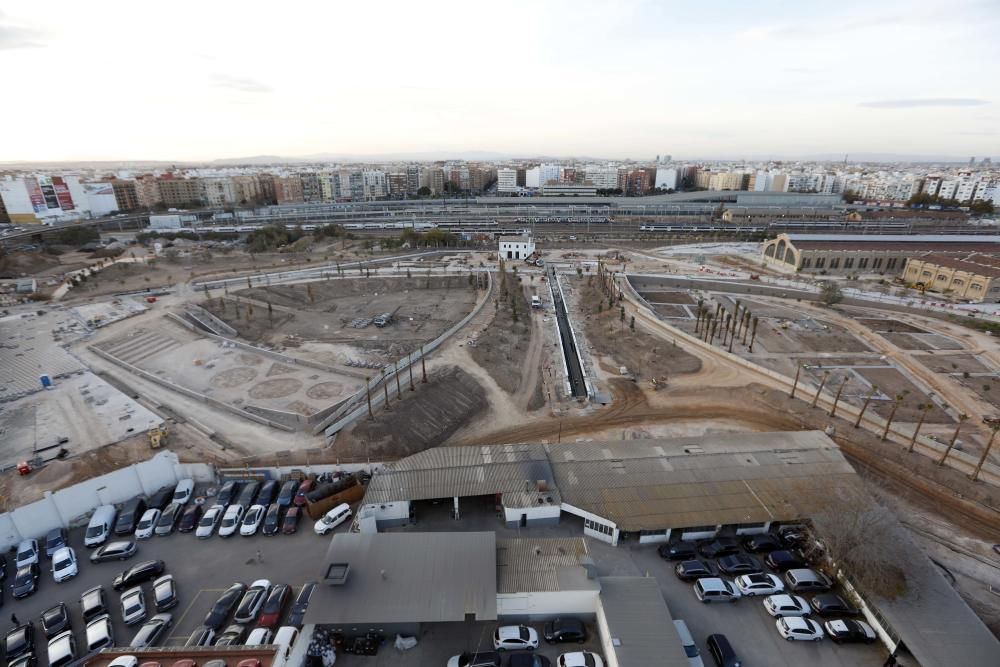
(210, 79)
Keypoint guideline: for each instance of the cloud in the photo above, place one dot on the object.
(16, 37)
(925, 102)
(240, 84)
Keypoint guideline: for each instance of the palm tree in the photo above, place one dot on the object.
(836, 399)
(819, 390)
(961, 420)
(868, 399)
(923, 407)
(898, 399)
(979, 466)
(753, 334)
(795, 383)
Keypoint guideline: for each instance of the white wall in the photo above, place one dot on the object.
(610, 657)
(387, 512)
(597, 535)
(535, 513)
(699, 534)
(548, 603)
(662, 536)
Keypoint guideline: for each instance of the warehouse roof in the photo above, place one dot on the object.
(975, 263)
(520, 472)
(898, 238)
(543, 565)
(707, 480)
(407, 578)
(639, 625)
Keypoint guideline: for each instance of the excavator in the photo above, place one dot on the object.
(157, 436)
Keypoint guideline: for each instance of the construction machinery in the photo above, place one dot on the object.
(157, 436)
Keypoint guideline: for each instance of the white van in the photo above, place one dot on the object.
(536, 302)
(687, 641)
(100, 526)
(284, 639)
(332, 519)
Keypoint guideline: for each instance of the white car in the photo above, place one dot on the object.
(133, 606)
(27, 553)
(183, 491)
(513, 637)
(251, 522)
(64, 564)
(786, 605)
(209, 520)
(580, 659)
(758, 584)
(332, 519)
(259, 637)
(796, 628)
(231, 520)
(147, 524)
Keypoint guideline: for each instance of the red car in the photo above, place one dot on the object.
(291, 521)
(274, 606)
(305, 487)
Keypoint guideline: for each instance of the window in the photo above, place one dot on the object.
(891, 264)
(820, 262)
(926, 274)
(877, 263)
(863, 263)
(598, 527)
(977, 287)
(957, 282)
(941, 276)
(806, 263)
(835, 263)
(700, 529)
(849, 263)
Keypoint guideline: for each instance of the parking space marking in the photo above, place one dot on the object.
(180, 619)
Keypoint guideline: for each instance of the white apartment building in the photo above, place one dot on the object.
(533, 178)
(220, 191)
(948, 188)
(932, 185)
(606, 178)
(666, 178)
(374, 184)
(549, 172)
(507, 180)
(516, 247)
(966, 190)
(988, 191)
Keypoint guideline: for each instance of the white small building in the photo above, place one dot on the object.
(516, 247)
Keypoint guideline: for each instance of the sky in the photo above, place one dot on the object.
(183, 80)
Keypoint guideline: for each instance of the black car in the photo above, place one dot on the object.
(828, 604)
(267, 492)
(118, 550)
(678, 551)
(168, 519)
(189, 519)
(564, 630)
(93, 603)
(756, 544)
(24, 661)
(272, 520)
(224, 606)
(287, 493)
(19, 641)
(722, 651)
(55, 620)
(301, 604)
(793, 536)
(25, 581)
(691, 570)
(248, 494)
(161, 498)
(847, 631)
(721, 546)
(783, 559)
(55, 540)
(739, 564)
(139, 573)
(528, 659)
(232, 635)
(129, 515)
(228, 492)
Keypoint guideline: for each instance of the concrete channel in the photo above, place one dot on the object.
(574, 369)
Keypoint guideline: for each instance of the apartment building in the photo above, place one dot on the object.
(972, 276)
(397, 184)
(312, 189)
(180, 192)
(126, 195)
(506, 180)
(288, 189)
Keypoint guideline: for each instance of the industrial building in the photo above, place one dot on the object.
(973, 277)
(865, 253)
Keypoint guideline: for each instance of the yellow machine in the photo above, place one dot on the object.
(157, 436)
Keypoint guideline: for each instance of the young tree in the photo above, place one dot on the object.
(897, 400)
(989, 445)
(961, 420)
(868, 399)
(924, 408)
(830, 293)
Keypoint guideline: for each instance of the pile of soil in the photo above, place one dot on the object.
(501, 348)
(17, 264)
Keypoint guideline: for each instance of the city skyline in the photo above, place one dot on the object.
(195, 83)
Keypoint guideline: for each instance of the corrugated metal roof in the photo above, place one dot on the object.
(408, 578)
(640, 626)
(526, 565)
(898, 238)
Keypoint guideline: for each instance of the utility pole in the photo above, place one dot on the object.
(368, 387)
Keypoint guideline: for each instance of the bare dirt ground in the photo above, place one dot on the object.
(504, 348)
(891, 383)
(953, 363)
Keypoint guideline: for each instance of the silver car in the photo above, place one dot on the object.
(133, 606)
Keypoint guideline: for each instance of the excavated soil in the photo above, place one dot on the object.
(502, 347)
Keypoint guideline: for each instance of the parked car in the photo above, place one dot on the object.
(165, 593)
(209, 521)
(793, 536)
(722, 651)
(231, 636)
(203, 636)
(848, 631)
(133, 603)
(721, 546)
(761, 543)
(129, 515)
(691, 570)
(64, 566)
(220, 611)
(714, 589)
(480, 659)
(147, 524)
(297, 617)
(183, 491)
(117, 550)
(287, 493)
(100, 634)
(252, 601)
(55, 540)
(24, 661)
(267, 492)
(27, 553)
(828, 604)
(138, 573)
(100, 526)
(786, 605)
(25, 581)
(161, 498)
(252, 520)
(291, 521)
(807, 580)
(259, 637)
(564, 630)
(228, 492)
(189, 518)
(248, 494)
(231, 520)
(783, 560)
(758, 584)
(528, 659)
(168, 519)
(688, 644)
(93, 603)
(19, 641)
(332, 519)
(151, 631)
(514, 637)
(272, 520)
(739, 564)
(55, 620)
(305, 487)
(62, 649)
(799, 628)
(274, 606)
(580, 659)
(124, 661)
(678, 551)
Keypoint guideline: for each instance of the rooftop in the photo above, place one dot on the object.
(898, 238)
(541, 564)
(408, 578)
(976, 263)
(640, 628)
